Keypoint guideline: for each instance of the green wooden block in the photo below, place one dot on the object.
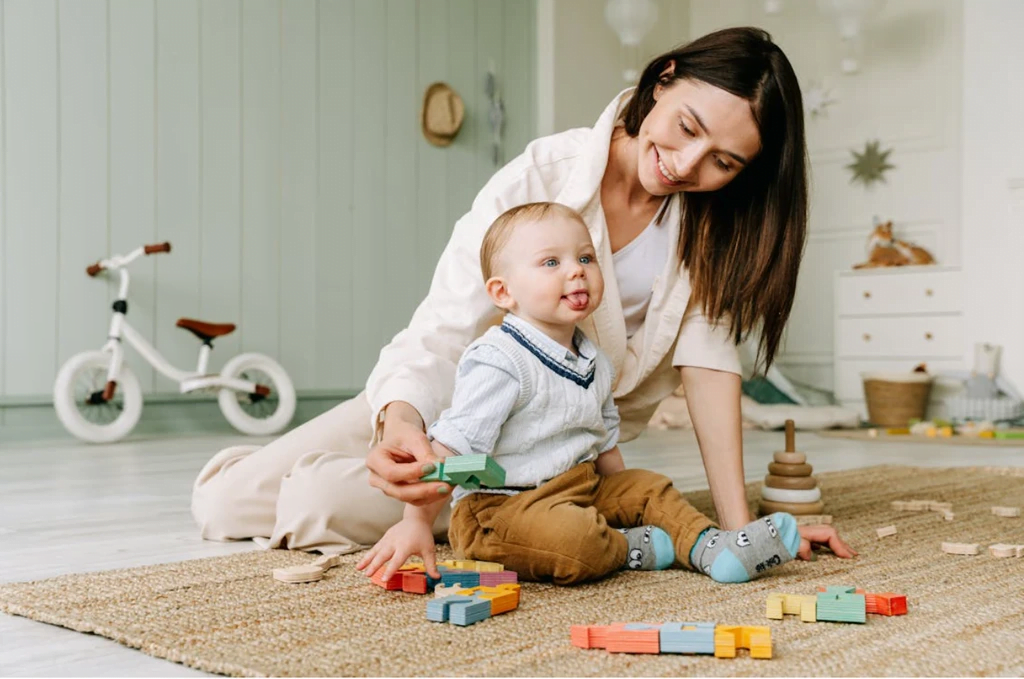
(841, 607)
(469, 471)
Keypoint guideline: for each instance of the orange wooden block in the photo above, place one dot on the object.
(397, 580)
(635, 637)
(885, 603)
(414, 582)
(592, 636)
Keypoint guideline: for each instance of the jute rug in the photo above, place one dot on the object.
(227, 615)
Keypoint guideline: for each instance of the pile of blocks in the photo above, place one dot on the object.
(468, 471)
(413, 578)
(467, 592)
(702, 638)
(836, 604)
(471, 605)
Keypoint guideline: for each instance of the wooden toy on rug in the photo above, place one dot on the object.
(886, 531)
(836, 604)
(471, 605)
(841, 604)
(1001, 551)
(307, 572)
(703, 638)
(789, 486)
(961, 548)
(414, 579)
(792, 604)
(1006, 512)
(943, 508)
(469, 471)
(814, 519)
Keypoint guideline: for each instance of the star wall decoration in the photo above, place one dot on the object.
(817, 99)
(870, 166)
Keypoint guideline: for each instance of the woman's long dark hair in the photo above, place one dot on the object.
(742, 244)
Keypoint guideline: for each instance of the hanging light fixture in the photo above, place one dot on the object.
(850, 17)
(631, 20)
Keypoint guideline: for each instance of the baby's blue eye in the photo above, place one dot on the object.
(586, 259)
(551, 262)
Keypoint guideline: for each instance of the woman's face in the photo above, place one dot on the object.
(696, 138)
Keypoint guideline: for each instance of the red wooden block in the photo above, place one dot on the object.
(412, 581)
(887, 603)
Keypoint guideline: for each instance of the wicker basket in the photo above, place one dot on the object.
(893, 399)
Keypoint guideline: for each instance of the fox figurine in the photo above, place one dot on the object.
(884, 250)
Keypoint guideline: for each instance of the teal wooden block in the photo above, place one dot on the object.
(841, 607)
(674, 638)
(469, 471)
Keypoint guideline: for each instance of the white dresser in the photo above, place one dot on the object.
(892, 319)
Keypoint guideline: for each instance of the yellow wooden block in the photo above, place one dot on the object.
(725, 644)
(489, 567)
(774, 608)
(809, 609)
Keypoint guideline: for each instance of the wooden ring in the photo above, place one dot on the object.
(769, 507)
(782, 457)
(790, 482)
(788, 495)
(790, 469)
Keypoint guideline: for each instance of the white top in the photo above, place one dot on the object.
(537, 408)
(637, 266)
(418, 365)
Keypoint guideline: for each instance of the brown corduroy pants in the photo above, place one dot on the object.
(565, 530)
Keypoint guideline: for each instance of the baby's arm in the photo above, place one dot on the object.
(486, 391)
(610, 460)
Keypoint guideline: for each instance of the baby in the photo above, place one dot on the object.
(536, 394)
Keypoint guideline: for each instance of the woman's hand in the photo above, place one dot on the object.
(823, 535)
(408, 537)
(399, 460)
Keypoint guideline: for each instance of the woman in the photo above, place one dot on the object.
(694, 188)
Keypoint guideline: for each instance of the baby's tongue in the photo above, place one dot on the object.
(578, 300)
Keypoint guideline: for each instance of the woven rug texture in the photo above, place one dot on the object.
(227, 615)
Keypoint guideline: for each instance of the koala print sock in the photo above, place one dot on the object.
(744, 554)
(650, 549)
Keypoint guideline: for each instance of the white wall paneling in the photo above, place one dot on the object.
(275, 143)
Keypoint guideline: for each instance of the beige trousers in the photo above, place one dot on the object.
(307, 490)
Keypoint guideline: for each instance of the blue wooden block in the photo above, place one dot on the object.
(841, 607)
(700, 638)
(465, 578)
(466, 613)
(439, 610)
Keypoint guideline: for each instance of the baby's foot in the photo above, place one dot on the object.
(744, 554)
(650, 548)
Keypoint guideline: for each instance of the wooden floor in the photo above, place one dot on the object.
(71, 508)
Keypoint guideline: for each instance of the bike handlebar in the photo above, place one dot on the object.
(158, 247)
(118, 261)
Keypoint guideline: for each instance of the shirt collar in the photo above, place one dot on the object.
(551, 352)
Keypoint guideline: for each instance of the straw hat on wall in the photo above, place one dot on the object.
(442, 114)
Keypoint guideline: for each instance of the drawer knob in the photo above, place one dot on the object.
(867, 337)
(928, 335)
(867, 294)
(929, 293)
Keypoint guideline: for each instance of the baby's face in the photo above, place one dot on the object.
(550, 271)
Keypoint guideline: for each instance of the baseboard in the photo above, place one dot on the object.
(161, 415)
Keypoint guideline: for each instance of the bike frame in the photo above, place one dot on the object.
(121, 331)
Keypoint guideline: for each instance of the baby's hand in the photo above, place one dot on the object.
(406, 538)
(826, 535)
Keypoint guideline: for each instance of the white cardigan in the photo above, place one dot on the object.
(418, 366)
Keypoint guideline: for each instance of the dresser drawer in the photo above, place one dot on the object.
(900, 293)
(915, 337)
(849, 385)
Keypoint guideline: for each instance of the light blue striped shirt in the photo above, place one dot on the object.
(534, 406)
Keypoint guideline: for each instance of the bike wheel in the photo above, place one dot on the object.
(81, 408)
(258, 414)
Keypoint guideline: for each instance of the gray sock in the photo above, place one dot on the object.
(650, 549)
(744, 554)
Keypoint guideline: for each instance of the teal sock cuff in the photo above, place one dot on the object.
(696, 544)
(664, 552)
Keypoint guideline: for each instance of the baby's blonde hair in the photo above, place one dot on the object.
(501, 230)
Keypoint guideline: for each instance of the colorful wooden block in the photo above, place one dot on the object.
(841, 604)
(758, 640)
(635, 637)
(885, 603)
(469, 471)
(792, 604)
(688, 637)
